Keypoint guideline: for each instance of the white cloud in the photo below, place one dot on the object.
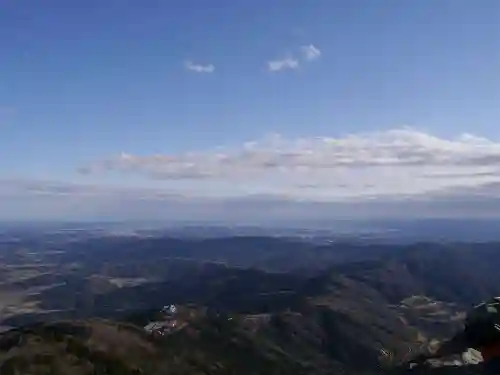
(286, 63)
(198, 68)
(310, 52)
(399, 163)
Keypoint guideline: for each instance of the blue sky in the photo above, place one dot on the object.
(82, 82)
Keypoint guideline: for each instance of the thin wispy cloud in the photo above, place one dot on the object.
(12, 187)
(310, 52)
(199, 68)
(282, 64)
(395, 163)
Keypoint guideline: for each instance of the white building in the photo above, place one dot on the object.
(170, 309)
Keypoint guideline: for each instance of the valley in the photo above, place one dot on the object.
(322, 304)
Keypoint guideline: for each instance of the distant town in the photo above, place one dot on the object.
(167, 324)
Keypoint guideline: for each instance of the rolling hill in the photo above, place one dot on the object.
(383, 307)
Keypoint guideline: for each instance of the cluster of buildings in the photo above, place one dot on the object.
(166, 325)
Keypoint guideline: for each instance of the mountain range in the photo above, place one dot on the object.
(259, 304)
